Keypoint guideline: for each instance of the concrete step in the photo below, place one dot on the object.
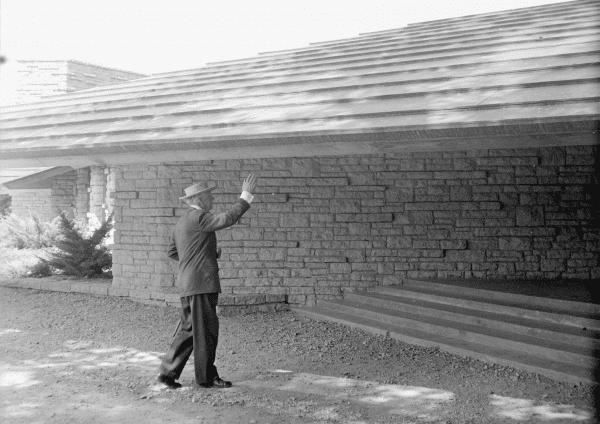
(553, 350)
(517, 307)
(485, 289)
(554, 337)
(524, 326)
(556, 370)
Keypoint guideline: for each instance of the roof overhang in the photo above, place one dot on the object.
(39, 180)
(505, 135)
(525, 78)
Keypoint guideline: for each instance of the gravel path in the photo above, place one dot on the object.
(80, 358)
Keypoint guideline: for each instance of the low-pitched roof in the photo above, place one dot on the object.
(7, 175)
(29, 178)
(518, 78)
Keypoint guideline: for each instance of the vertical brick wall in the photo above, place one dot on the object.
(145, 203)
(5, 202)
(97, 193)
(101, 189)
(36, 79)
(37, 202)
(79, 193)
(324, 225)
(32, 80)
(109, 199)
(82, 193)
(82, 75)
(64, 193)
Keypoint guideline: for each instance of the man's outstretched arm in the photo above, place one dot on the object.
(213, 222)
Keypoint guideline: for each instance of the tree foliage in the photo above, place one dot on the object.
(27, 233)
(80, 255)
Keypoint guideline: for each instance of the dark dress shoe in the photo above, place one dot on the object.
(217, 382)
(168, 381)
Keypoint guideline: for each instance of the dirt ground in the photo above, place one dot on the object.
(75, 358)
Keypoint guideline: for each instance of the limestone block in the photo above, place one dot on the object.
(140, 293)
(465, 256)
(551, 265)
(305, 167)
(396, 242)
(271, 255)
(276, 298)
(453, 244)
(328, 182)
(529, 216)
(461, 193)
(293, 220)
(514, 243)
(399, 195)
(340, 268)
(345, 205)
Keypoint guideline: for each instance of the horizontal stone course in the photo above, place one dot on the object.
(228, 304)
(320, 226)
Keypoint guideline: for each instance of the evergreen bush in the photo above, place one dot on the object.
(28, 233)
(40, 269)
(77, 254)
(5, 202)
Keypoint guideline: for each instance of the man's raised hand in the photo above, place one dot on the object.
(249, 184)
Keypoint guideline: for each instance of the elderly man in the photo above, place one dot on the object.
(194, 245)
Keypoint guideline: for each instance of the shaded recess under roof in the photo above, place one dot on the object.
(520, 78)
(33, 178)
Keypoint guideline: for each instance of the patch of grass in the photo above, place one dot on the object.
(18, 263)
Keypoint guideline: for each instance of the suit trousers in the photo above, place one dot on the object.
(198, 333)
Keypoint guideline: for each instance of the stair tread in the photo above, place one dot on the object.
(496, 316)
(579, 291)
(496, 301)
(559, 367)
(531, 340)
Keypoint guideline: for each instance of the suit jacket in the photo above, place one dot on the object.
(194, 245)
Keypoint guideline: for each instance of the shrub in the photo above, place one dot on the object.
(18, 263)
(78, 254)
(40, 269)
(5, 202)
(29, 233)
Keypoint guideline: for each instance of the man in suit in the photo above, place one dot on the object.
(194, 246)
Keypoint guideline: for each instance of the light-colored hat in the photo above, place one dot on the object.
(197, 189)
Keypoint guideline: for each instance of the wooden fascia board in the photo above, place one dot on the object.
(515, 136)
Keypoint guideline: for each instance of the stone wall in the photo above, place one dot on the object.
(25, 203)
(5, 202)
(64, 193)
(321, 226)
(101, 186)
(84, 194)
(83, 75)
(31, 80)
